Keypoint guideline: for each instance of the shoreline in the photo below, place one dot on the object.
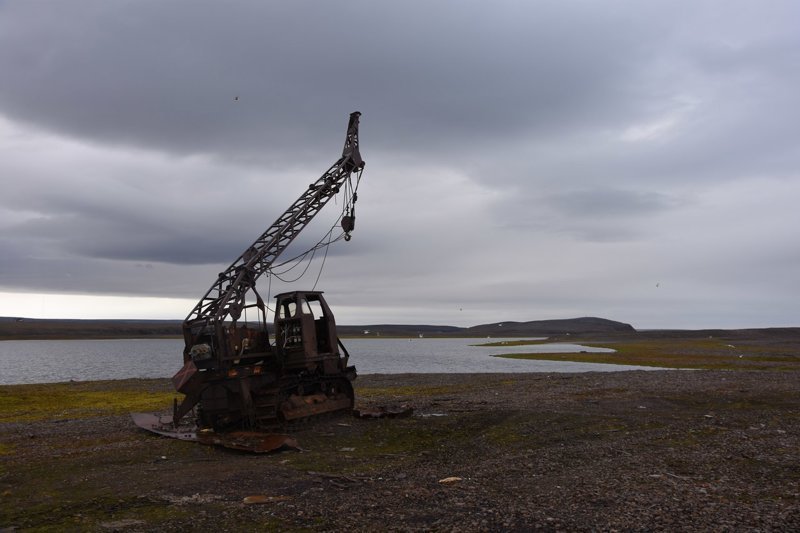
(623, 450)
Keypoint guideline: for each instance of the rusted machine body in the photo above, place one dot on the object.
(233, 374)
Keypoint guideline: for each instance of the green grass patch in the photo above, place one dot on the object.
(409, 392)
(380, 445)
(712, 354)
(534, 429)
(389, 445)
(58, 513)
(54, 401)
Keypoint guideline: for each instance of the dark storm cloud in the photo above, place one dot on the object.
(167, 75)
(604, 214)
(454, 85)
(165, 229)
(512, 148)
(608, 202)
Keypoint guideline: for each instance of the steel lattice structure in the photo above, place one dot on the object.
(226, 298)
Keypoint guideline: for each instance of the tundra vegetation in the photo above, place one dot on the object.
(662, 449)
(691, 353)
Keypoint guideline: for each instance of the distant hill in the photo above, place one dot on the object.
(30, 328)
(535, 328)
(34, 328)
(551, 327)
(399, 330)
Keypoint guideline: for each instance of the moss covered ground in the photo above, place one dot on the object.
(690, 353)
(80, 399)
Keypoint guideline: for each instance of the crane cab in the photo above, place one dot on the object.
(305, 332)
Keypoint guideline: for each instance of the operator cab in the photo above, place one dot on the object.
(305, 330)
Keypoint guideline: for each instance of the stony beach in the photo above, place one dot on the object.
(700, 450)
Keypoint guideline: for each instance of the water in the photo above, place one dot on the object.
(85, 360)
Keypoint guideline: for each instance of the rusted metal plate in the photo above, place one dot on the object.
(184, 375)
(248, 441)
(402, 411)
(263, 498)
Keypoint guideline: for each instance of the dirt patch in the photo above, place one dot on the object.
(690, 450)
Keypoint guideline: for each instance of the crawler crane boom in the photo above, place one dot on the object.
(233, 373)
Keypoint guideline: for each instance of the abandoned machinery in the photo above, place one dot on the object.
(233, 376)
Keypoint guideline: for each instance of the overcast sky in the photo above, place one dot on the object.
(636, 161)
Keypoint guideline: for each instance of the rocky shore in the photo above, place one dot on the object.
(626, 451)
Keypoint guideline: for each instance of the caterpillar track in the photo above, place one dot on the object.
(293, 403)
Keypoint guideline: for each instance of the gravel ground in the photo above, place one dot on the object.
(625, 451)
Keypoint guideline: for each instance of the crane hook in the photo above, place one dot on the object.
(349, 222)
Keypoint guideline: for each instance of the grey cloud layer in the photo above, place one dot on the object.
(582, 131)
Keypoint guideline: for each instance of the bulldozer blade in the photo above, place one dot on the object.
(162, 425)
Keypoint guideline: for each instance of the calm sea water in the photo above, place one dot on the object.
(85, 360)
